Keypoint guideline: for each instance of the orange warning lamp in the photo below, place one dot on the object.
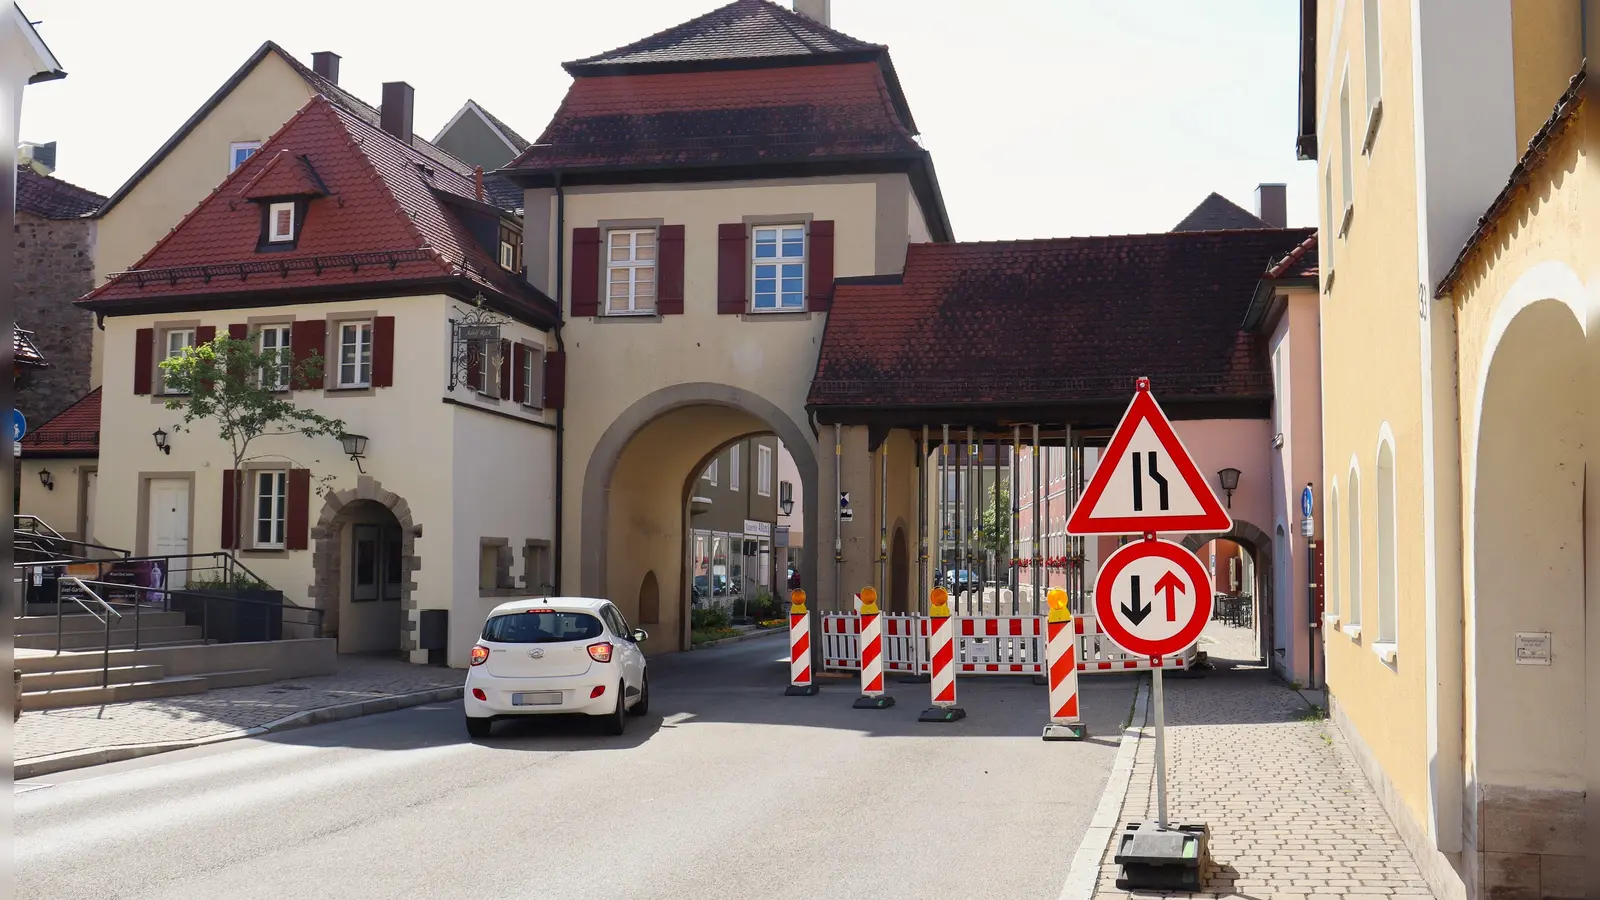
(797, 601)
(1059, 611)
(869, 600)
(939, 603)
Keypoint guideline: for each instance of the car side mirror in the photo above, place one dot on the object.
(640, 635)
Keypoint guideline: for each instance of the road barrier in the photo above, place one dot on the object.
(985, 645)
(1061, 648)
(801, 683)
(871, 643)
(940, 627)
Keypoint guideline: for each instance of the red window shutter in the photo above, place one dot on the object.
(230, 509)
(669, 290)
(298, 533)
(505, 369)
(309, 338)
(519, 358)
(205, 334)
(555, 380)
(819, 275)
(733, 255)
(144, 359)
(383, 351)
(585, 272)
(239, 332)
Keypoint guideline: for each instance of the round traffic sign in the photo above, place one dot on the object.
(19, 425)
(1152, 597)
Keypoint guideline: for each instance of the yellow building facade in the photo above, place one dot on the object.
(1459, 354)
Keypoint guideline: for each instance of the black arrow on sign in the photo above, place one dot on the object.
(1140, 609)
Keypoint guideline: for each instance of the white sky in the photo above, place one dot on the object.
(1046, 118)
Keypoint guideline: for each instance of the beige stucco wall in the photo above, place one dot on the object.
(463, 472)
(1371, 375)
(61, 508)
(1547, 48)
(262, 101)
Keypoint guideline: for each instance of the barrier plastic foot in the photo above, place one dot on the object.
(1057, 732)
(942, 714)
(873, 702)
(798, 690)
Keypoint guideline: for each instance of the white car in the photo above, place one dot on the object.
(556, 655)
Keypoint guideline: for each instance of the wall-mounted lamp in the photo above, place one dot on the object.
(786, 497)
(1230, 483)
(161, 441)
(355, 445)
(46, 480)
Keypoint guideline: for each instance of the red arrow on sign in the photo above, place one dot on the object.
(1173, 585)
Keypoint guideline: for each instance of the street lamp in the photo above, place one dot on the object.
(161, 441)
(1230, 482)
(786, 497)
(355, 446)
(46, 480)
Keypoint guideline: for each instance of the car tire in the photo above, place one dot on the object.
(642, 708)
(617, 721)
(479, 728)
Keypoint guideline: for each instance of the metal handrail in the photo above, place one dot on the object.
(57, 539)
(17, 518)
(317, 615)
(105, 649)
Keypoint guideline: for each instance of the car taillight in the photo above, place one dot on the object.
(480, 654)
(600, 652)
(598, 690)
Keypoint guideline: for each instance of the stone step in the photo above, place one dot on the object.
(33, 682)
(120, 637)
(174, 686)
(148, 618)
(238, 678)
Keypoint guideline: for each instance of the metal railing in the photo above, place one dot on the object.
(105, 621)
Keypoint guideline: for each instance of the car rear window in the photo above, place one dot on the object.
(541, 627)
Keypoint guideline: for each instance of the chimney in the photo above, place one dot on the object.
(1272, 205)
(39, 157)
(477, 183)
(326, 64)
(395, 114)
(815, 10)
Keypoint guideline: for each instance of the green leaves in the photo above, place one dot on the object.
(230, 382)
(994, 527)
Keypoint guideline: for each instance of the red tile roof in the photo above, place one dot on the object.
(284, 175)
(748, 116)
(742, 30)
(1052, 322)
(1301, 262)
(391, 218)
(75, 431)
(51, 198)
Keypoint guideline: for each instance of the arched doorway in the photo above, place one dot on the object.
(1248, 553)
(642, 481)
(363, 557)
(1528, 577)
(899, 573)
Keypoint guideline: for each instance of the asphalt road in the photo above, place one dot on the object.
(728, 789)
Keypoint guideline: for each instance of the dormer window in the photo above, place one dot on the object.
(510, 247)
(281, 223)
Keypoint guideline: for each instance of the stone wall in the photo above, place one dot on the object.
(54, 266)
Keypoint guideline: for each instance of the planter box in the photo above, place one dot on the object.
(228, 622)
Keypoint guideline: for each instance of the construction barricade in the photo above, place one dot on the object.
(871, 644)
(1061, 649)
(801, 680)
(940, 630)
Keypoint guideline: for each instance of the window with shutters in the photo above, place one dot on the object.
(173, 342)
(275, 344)
(631, 272)
(280, 223)
(481, 375)
(531, 377)
(510, 248)
(733, 467)
(271, 509)
(764, 470)
(779, 267)
(355, 355)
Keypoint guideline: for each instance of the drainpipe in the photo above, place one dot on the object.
(561, 348)
(838, 521)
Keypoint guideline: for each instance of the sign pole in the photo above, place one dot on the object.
(1156, 695)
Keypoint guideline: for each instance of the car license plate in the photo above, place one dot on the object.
(537, 698)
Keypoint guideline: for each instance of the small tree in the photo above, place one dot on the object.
(232, 383)
(994, 526)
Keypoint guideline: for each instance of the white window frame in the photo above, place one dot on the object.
(764, 470)
(487, 371)
(777, 263)
(272, 487)
(508, 256)
(1352, 622)
(1347, 173)
(169, 352)
(276, 235)
(1325, 246)
(1386, 634)
(711, 472)
(283, 335)
(733, 467)
(1372, 57)
(1335, 558)
(234, 160)
(525, 374)
(632, 268)
(362, 374)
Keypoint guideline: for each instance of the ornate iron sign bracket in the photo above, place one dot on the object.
(475, 343)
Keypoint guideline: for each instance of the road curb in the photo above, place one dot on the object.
(747, 636)
(1084, 876)
(80, 759)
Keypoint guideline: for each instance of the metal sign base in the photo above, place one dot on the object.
(1058, 732)
(1157, 857)
(801, 690)
(873, 702)
(942, 714)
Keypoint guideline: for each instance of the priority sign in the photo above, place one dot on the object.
(1153, 598)
(1146, 481)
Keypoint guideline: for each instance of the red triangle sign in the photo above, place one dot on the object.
(1146, 481)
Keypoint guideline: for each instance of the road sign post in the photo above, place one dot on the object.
(1152, 598)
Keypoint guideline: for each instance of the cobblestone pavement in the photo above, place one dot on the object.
(1291, 815)
(51, 731)
(1225, 643)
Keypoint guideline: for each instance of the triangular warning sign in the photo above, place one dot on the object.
(1146, 481)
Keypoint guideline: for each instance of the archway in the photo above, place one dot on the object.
(641, 481)
(1528, 573)
(1255, 573)
(650, 599)
(899, 572)
(363, 555)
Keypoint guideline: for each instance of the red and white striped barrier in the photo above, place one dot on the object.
(941, 630)
(872, 695)
(1003, 645)
(801, 683)
(1061, 647)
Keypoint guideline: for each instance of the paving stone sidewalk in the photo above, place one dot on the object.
(174, 719)
(1292, 817)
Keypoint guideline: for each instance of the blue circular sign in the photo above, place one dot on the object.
(1305, 502)
(19, 425)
